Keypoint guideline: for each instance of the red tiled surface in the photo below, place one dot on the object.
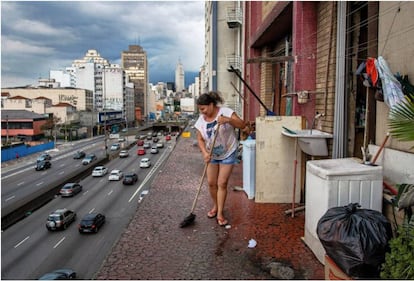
(155, 247)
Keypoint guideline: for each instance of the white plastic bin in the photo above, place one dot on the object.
(249, 166)
(334, 183)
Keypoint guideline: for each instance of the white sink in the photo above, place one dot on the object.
(312, 142)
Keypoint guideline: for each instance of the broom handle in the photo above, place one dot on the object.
(205, 170)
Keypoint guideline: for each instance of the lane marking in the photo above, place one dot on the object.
(58, 243)
(110, 192)
(20, 183)
(40, 183)
(91, 211)
(10, 198)
(61, 173)
(21, 242)
(149, 175)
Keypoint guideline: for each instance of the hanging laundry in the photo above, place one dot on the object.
(391, 87)
(372, 71)
(368, 73)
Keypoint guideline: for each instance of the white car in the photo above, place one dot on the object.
(154, 150)
(99, 171)
(115, 175)
(115, 146)
(123, 153)
(145, 163)
(160, 144)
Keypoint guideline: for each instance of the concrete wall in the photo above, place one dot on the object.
(396, 46)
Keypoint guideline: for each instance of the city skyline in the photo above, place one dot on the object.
(41, 36)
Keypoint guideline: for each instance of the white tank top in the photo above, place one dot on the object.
(226, 141)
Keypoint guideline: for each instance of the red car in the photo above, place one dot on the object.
(141, 151)
(167, 137)
(140, 142)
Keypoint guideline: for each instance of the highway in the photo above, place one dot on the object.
(29, 250)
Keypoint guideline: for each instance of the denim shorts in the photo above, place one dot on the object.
(229, 160)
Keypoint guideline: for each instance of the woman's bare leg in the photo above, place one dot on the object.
(224, 173)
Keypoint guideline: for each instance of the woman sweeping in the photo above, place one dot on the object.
(224, 152)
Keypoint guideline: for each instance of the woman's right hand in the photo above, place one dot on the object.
(206, 157)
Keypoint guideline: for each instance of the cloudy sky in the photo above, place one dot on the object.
(48, 35)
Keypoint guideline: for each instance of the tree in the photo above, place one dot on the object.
(50, 124)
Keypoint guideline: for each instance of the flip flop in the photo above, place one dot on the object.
(222, 222)
(212, 214)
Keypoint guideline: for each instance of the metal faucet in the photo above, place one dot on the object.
(317, 116)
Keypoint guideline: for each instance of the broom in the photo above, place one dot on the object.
(191, 217)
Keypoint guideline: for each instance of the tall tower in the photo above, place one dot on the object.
(179, 77)
(89, 75)
(134, 63)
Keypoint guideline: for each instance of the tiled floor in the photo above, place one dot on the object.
(155, 247)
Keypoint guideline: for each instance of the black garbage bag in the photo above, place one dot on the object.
(355, 239)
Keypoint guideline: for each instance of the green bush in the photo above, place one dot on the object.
(399, 262)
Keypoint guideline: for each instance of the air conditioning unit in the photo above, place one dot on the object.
(234, 17)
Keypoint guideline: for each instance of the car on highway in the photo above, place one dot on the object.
(99, 171)
(60, 219)
(115, 175)
(141, 151)
(145, 163)
(130, 178)
(79, 154)
(59, 274)
(121, 139)
(147, 144)
(154, 150)
(115, 146)
(70, 189)
(140, 142)
(44, 157)
(88, 159)
(43, 165)
(154, 140)
(91, 222)
(160, 144)
(123, 153)
(168, 137)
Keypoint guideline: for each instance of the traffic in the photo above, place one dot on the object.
(76, 229)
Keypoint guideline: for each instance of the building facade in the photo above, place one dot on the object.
(134, 63)
(224, 39)
(179, 77)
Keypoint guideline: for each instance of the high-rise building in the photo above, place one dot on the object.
(224, 49)
(179, 78)
(134, 63)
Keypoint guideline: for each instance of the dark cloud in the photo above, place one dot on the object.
(39, 36)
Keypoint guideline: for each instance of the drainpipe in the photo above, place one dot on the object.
(214, 24)
(339, 129)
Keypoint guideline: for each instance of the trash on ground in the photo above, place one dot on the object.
(252, 243)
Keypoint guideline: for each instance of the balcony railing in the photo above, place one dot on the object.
(234, 17)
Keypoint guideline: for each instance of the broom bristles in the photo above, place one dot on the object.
(188, 220)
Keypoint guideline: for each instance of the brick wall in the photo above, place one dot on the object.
(266, 82)
(325, 69)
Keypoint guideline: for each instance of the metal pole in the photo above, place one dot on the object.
(7, 129)
(127, 133)
(104, 93)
